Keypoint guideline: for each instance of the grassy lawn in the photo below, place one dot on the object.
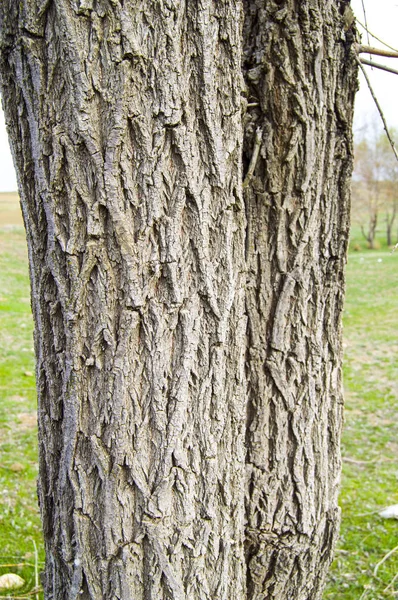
(19, 519)
(370, 440)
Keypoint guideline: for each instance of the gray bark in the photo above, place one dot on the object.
(300, 82)
(183, 170)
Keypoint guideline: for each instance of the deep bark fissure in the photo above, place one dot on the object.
(183, 172)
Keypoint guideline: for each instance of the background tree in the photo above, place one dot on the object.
(375, 183)
(390, 171)
(368, 172)
(184, 175)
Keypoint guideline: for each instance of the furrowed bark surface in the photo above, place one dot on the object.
(301, 82)
(188, 333)
(129, 137)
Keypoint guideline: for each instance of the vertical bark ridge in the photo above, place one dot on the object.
(299, 73)
(130, 175)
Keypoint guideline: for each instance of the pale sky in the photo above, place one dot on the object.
(8, 182)
(382, 19)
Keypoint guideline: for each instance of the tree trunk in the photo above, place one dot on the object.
(301, 88)
(370, 234)
(187, 226)
(390, 218)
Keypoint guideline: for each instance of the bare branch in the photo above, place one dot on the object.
(377, 51)
(378, 105)
(378, 66)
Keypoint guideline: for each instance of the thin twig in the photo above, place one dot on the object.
(254, 158)
(383, 560)
(358, 462)
(377, 51)
(375, 36)
(378, 106)
(375, 461)
(393, 580)
(366, 21)
(364, 593)
(364, 61)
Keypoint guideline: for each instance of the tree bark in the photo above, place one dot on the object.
(184, 177)
(300, 86)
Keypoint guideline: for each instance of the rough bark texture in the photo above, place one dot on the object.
(299, 76)
(188, 334)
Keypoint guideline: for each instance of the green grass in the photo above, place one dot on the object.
(19, 519)
(370, 439)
